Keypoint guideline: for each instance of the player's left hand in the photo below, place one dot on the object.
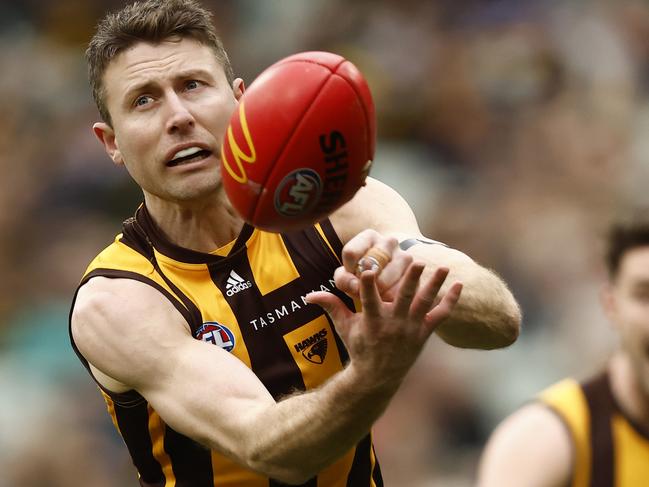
(369, 250)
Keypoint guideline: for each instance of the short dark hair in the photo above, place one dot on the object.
(148, 21)
(623, 236)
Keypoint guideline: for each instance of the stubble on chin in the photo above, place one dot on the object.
(202, 189)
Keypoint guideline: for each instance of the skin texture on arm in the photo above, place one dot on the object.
(531, 448)
(487, 315)
(135, 339)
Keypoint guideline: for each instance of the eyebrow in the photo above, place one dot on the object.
(137, 88)
(640, 284)
(150, 85)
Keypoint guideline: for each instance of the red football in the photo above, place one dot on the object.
(300, 143)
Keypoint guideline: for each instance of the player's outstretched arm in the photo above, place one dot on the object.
(487, 316)
(135, 339)
(531, 448)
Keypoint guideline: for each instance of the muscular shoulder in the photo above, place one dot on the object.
(114, 301)
(115, 324)
(532, 447)
(376, 206)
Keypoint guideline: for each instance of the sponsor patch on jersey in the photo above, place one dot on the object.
(217, 334)
(315, 351)
(298, 192)
(314, 348)
(235, 284)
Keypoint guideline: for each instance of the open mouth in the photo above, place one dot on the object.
(188, 156)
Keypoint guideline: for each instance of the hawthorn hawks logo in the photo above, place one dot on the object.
(298, 192)
(317, 352)
(217, 334)
(314, 348)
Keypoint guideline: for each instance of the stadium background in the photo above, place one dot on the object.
(516, 129)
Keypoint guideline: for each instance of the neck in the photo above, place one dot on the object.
(628, 389)
(202, 226)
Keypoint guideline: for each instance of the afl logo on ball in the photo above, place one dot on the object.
(298, 192)
(213, 332)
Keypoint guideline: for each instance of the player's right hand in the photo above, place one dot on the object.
(385, 338)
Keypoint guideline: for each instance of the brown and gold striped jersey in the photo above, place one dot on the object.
(609, 449)
(248, 298)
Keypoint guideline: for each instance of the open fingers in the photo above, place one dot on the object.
(427, 295)
(393, 272)
(369, 294)
(334, 307)
(407, 289)
(440, 312)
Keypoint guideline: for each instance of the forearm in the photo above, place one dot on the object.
(487, 316)
(304, 433)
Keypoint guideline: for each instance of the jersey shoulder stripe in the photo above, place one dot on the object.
(567, 400)
(611, 450)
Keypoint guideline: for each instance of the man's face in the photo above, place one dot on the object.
(170, 105)
(627, 305)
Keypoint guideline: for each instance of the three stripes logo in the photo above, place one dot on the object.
(235, 284)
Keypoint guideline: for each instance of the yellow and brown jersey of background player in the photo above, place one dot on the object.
(609, 448)
(248, 298)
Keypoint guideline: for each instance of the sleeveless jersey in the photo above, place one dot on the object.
(247, 298)
(609, 449)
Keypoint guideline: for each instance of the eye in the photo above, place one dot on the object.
(142, 100)
(192, 84)
(641, 295)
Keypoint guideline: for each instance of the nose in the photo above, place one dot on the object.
(180, 119)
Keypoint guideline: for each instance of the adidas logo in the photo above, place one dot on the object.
(235, 284)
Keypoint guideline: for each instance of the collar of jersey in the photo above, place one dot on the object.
(181, 254)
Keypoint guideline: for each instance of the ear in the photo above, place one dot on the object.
(106, 136)
(239, 88)
(609, 303)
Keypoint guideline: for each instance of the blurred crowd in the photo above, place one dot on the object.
(515, 128)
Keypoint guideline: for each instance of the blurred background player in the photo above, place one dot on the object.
(593, 433)
(217, 361)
